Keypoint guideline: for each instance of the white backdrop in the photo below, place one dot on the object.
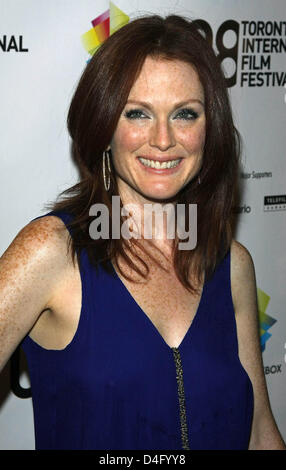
(42, 56)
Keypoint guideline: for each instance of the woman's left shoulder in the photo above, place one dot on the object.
(242, 274)
(264, 432)
(240, 256)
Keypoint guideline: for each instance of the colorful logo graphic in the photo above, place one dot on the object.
(265, 320)
(275, 203)
(103, 26)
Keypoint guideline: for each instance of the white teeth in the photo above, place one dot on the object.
(157, 165)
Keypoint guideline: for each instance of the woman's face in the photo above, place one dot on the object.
(158, 144)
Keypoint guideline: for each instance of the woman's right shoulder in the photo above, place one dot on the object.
(40, 249)
(30, 269)
(45, 236)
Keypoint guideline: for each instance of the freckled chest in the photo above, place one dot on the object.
(168, 305)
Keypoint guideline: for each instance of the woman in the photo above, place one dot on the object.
(132, 342)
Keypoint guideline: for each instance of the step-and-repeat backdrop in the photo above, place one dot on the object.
(44, 47)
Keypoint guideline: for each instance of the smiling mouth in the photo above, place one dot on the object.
(159, 165)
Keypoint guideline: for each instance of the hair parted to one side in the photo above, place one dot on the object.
(95, 109)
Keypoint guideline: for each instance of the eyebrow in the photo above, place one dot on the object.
(177, 105)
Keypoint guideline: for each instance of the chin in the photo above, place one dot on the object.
(161, 196)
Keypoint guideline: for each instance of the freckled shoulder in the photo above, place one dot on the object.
(243, 282)
(30, 269)
(44, 237)
(264, 433)
(45, 234)
(46, 228)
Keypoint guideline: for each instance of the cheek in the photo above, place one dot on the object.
(128, 139)
(194, 140)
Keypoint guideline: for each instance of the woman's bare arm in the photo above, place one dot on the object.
(264, 434)
(29, 271)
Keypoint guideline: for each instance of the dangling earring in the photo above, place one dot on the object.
(199, 179)
(106, 179)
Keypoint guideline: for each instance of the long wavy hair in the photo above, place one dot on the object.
(95, 109)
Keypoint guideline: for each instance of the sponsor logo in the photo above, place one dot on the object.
(261, 40)
(12, 44)
(247, 51)
(275, 203)
(265, 321)
(257, 175)
(274, 369)
(102, 27)
(242, 209)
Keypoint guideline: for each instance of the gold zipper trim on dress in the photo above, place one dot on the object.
(182, 402)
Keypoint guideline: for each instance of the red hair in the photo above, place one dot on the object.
(95, 109)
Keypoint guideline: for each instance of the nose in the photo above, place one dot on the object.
(162, 135)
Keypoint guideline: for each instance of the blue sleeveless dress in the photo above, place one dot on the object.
(118, 385)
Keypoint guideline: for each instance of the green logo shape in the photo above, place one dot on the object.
(265, 320)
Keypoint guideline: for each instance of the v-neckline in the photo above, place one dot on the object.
(149, 321)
